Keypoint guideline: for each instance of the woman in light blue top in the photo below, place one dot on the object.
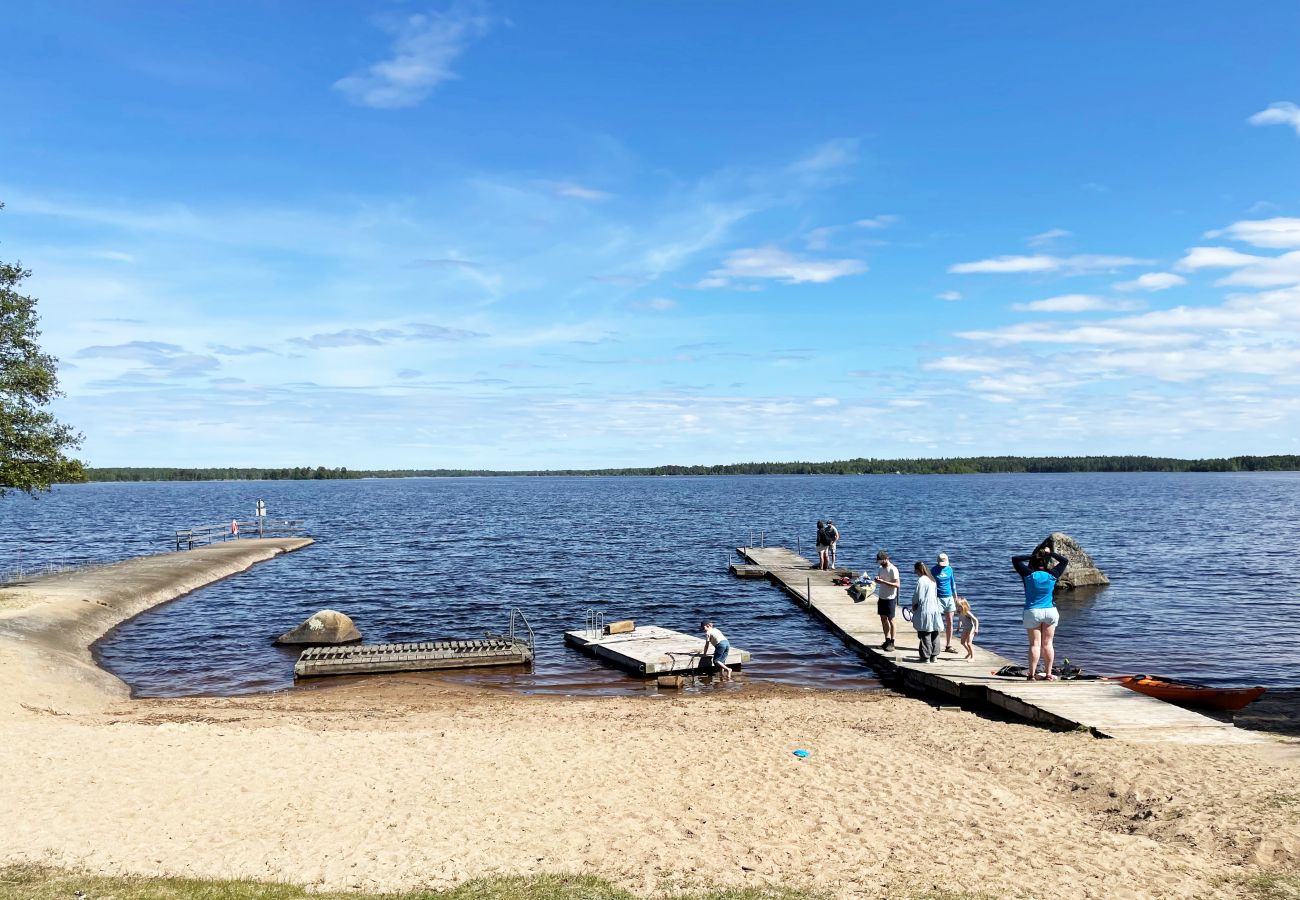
(945, 585)
(927, 614)
(1040, 571)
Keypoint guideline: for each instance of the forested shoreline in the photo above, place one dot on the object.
(975, 465)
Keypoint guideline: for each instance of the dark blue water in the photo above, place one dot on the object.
(1202, 567)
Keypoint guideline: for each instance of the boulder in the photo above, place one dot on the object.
(1082, 572)
(326, 627)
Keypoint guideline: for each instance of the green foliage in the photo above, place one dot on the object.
(39, 883)
(33, 444)
(976, 465)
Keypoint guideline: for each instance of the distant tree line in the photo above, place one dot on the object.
(975, 465)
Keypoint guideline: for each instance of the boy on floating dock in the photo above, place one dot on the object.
(721, 647)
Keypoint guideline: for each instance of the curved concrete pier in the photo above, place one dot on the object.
(47, 625)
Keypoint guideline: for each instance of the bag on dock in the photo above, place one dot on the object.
(1066, 671)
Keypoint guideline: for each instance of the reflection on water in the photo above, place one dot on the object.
(1192, 557)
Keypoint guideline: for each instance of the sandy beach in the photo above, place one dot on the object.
(402, 782)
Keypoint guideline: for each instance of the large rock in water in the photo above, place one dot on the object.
(326, 627)
(1082, 572)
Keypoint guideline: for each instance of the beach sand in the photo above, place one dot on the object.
(401, 781)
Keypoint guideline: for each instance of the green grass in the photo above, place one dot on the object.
(39, 883)
(1273, 887)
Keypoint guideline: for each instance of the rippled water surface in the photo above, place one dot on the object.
(1202, 566)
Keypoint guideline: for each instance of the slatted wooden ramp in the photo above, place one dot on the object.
(1106, 708)
(421, 656)
(649, 650)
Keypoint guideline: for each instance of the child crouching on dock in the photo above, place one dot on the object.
(967, 626)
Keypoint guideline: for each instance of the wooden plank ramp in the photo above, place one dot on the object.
(1105, 708)
(649, 650)
(412, 657)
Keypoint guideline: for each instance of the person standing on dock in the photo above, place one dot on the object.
(721, 647)
(823, 546)
(927, 614)
(832, 539)
(887, 584)
(945, 581)
(1040, 571)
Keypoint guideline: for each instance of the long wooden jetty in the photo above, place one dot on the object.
(1105, 708)
(421, 656)
(649, 649)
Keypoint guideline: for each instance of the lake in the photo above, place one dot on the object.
(1203, 585)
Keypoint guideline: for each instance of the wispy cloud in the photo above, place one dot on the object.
(424, 48)
(1250, 270)
(1078, 264)
(833, 154)
(771, 262)
(877, 221)
(1151, 282)
(1278, 233)
(446, 262)
(161, 359)
(1215, 258)
(1078, 303)
(574, 190)
(1281, 113)
(366, 337)
(1048, 237)
(949, 295)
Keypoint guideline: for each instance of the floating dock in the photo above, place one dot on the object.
(649, 650)
(417, 657)
(1106, 708)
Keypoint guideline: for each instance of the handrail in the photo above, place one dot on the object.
(200, 535)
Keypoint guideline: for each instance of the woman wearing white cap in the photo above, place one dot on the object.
(945, 582)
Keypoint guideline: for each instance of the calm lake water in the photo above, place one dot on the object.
(1203, 574)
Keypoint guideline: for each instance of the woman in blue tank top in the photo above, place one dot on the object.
(1040, 571)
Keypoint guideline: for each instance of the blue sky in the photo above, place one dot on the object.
(507, 235)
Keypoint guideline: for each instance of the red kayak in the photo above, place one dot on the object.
(1191, 694)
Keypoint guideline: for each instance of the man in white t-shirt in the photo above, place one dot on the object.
(887, 584)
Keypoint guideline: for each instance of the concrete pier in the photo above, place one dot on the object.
(48, 624)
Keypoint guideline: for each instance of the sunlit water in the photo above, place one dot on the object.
(1202, 567)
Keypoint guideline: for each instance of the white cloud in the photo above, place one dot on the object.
(1077, 303)
(1048, 237)
(1215, 258)
(1007, 264)
(424, 48)
(770, 261)
(660, 304)
(574, 190)
(877, 222)
(1283, 113)
(949, 295)
(831, 155)
(1151, 281)
(1078, 264)
(825, 401)
(1270, 272)
(1101, 334)
(1278, 233)
(978, 364)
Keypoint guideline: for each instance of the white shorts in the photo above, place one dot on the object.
(1043, 615)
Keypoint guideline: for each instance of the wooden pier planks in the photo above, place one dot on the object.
(649, 650)
(1106, 708)
(413, 657)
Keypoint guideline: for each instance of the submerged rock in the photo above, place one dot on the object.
(1082, 572)
(326, 627)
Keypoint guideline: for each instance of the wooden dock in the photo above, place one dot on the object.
(1105, 708)
(416, 657)
(649, 650)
